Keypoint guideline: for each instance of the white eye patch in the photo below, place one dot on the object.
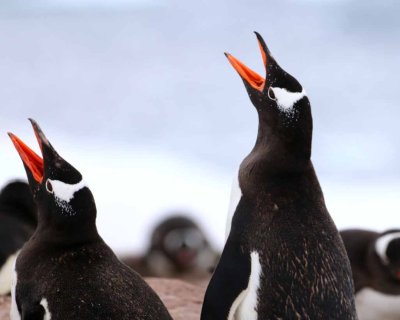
(64, 191)
(286, 99)
(382, 243)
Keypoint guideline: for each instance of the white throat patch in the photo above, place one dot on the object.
(286, 99)
(382, 243)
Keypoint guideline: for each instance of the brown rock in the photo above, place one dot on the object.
(5, 302)
(183, 300)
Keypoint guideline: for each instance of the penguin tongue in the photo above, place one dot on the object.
(397, 274)
(29, 157)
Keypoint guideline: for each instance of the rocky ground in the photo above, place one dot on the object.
(183, 300)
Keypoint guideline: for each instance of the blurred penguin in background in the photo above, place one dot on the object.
(178, 249)
(17, 223)
(375, 262)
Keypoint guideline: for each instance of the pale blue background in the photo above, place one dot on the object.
(139, 96)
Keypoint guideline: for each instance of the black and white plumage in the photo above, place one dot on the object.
(66, 271)
(17, 223)
(283, 258)
(375, 261)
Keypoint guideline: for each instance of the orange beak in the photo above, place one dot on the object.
(251, 77)
(31, 160)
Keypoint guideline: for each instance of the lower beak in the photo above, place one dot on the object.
(32, 161)
(251, 77)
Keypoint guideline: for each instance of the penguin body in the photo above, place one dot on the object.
(17, 224)
(283, 258)
(66, 271)
(178, 249)
(375, 261)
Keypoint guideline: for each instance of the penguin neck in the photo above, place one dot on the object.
(283, 151)
(67, 233)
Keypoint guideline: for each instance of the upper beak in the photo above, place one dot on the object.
(33, 162)
(249, 76)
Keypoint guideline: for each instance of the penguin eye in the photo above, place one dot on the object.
(49, 186)
(271, 94)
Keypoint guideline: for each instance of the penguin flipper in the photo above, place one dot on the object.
(226, 288)
(33, 312)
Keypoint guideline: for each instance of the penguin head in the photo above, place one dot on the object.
(64, 201)
(387, 246)
(180, 240)
(281, 102)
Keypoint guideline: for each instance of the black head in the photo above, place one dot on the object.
(388, 249)
(284, 111)
(65, 204)
(180, 239)
(18, 195)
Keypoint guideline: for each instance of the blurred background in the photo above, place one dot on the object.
(138, 96)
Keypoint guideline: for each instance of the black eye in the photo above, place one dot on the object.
(49, 186)
(271, 94)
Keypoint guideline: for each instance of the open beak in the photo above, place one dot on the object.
(33, 162)
(249, 76)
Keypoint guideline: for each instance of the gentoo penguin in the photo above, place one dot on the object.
(66, 271)
(178, 249)
(17, 223)
(375, 260)
(283, 258)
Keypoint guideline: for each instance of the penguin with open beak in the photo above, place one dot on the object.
(66, 271)
(283, 258)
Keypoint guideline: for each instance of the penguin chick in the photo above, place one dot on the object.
(66, 271)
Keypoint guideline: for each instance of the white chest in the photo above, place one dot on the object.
(244, 307)
(236, 194)
(14, 313)
(373, 305)
(6, 274)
